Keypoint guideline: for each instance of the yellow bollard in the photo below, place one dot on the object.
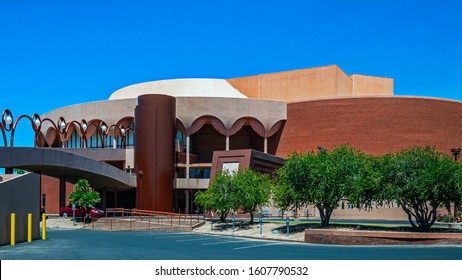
(13, 229)
(29, 227)
(44, 226)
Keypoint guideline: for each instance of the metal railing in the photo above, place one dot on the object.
(122, 218)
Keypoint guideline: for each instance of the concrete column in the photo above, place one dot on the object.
(265, 145)
(187, 155)
(104, 199)
(186, 194)
(155, 117)
(115, 198)
(227, 142)
(62, 191)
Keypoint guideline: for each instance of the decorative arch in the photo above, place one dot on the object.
(254, 123)
(275, 128)
(207, 119)
(125, 121)
(50, 136)
(180, 126)
(93, 126)
(49, 132)
(70, 128)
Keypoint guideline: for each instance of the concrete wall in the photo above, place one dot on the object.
(188, 109)
(319, 82)
(229, 110)
(109, 111)
(376, 125)
(368, 85)
(21, 196)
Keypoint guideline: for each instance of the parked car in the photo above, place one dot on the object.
(67, 212)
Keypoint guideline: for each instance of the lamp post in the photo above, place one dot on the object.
(456, 153)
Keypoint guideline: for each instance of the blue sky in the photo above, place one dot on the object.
(58, 53)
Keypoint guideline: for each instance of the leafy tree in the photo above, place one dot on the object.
(219, 197)
(321, 179)
(368, 190)
(247, 190)
(252, 190)
(421, 180)
(289, 187)
(84, 197)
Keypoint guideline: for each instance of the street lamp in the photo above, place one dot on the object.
(8, 119)
(456, 153)
(62, 124)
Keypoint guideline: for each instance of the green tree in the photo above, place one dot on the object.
(368, 190)
(84, 197)
(289, 188)
(251, 190)
(421, 180)
(219, 197)
(248, 190)
(321, 179)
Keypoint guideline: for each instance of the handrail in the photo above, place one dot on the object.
(163, 218)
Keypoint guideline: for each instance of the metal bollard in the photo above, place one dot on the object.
(13, 229)
(44, 226)
(29, 227)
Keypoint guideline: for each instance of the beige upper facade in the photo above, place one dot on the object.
(312, 83)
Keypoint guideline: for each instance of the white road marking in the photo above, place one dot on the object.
(222, 242)
(254, 246)
(194, 239)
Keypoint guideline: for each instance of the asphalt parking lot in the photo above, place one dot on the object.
(131, 245)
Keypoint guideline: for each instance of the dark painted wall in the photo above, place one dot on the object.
(155, 118)
(20, 195)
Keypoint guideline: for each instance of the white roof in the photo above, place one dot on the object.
(180, 87)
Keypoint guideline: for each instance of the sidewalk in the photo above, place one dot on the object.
(273, 231)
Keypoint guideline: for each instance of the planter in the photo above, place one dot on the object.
(455, 225)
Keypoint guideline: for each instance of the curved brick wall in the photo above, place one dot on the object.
(373, 124)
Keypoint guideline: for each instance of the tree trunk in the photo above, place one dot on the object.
(325, 214)
(223, 216)
(252, 214)
(420, 216)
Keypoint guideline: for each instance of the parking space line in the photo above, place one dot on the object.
(254, 246)
(222, 242)
(194, 239)
(164, 237)
(172, 233)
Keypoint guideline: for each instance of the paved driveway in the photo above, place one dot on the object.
(104, 245)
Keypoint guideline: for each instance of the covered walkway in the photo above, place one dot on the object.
(58, 163)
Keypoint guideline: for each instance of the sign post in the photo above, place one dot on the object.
(211, 221)
(261, 223)
(73, 214)
(233, 219)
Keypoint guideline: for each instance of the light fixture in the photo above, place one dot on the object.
(8, 120)
(103, 128)
(37, 122)
(84, 126)
(62, 124)
(122, 130)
